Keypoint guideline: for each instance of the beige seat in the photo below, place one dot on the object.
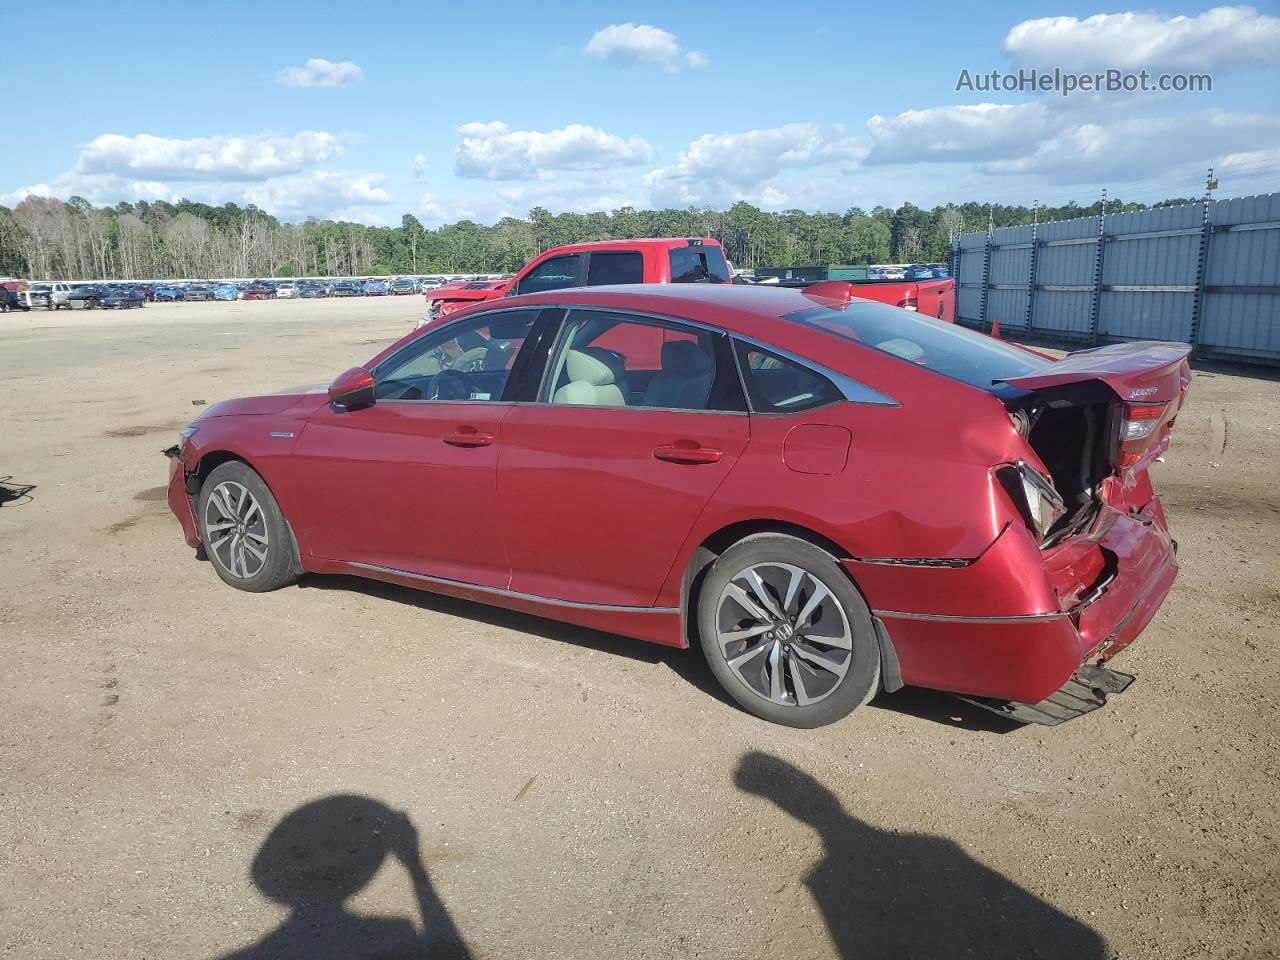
(591, 382)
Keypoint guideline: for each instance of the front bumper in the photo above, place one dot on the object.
(996, 628)
(179, 501)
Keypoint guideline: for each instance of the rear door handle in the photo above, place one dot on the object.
(676, 453)
(468, 437)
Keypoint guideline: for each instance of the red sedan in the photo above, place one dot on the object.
(831, 496)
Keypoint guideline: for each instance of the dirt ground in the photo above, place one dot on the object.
(343, 768)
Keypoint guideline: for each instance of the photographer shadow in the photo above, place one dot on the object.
(319, 857)
(912, 895)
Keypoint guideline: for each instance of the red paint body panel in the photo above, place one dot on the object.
(578, 513)
(590, 514)
(180, 503)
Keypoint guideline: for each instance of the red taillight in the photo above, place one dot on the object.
(1140, 419)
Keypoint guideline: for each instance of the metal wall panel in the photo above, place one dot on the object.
(1149, 281)
(1243, 324)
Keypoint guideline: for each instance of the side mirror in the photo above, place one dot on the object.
(353, 389)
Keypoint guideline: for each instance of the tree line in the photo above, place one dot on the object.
(45, 238)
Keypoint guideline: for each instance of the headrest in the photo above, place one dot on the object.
(686, 358)
(583, 366)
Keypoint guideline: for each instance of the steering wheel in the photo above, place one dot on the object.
(450, 385)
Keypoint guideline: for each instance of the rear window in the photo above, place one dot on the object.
(622, 266)
(698, 265)
(955, 352)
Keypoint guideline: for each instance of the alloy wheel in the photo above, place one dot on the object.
(783, 633)
(236, 529)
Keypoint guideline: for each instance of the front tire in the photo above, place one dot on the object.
(786, 633)
(243, 531)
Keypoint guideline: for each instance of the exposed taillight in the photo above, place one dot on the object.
(1140, 419)
(909, 303)
(1033, 494)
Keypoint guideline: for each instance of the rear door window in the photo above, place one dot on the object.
(698, 265)
(553, 274)
(778, 385)
(615, 266)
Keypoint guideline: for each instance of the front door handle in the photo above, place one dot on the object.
(468, 437)
(681, 453)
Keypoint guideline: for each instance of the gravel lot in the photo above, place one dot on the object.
(501, 786)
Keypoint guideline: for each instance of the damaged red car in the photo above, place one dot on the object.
(831, 496)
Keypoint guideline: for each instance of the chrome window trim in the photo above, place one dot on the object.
(514, 594)
(853, 391)
(849, 388)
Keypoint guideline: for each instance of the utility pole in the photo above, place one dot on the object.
(1202, 262)
(1095, 302)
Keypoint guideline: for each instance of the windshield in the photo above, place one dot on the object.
(955, 352)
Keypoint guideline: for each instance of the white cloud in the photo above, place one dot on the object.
(492, 151)
(98, 189)
(1137, 149)
(976, 131)
(418, 168)
(320, 193)
(253, 157)
(319, 72)
(1219, 39)
(631, 43)
(748, 158)
(579, 193)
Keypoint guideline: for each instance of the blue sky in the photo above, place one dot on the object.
(449, 111)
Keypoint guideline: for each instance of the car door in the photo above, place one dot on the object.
(638, 421)
(408, 483)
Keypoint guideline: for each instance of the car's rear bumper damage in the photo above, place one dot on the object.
(965, 632)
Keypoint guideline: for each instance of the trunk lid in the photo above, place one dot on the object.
(1145, 371)
(1149, 378)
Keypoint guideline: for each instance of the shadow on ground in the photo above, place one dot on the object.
(689, 665)
(13, 494)
(912, 895)
(319, 857)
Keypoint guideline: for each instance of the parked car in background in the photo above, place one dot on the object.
(346, 288)
(403, 285)
(259, 290)
(198, 292)
(11, 298)
(940, 271)
(374, 288)
(118, 297)
(286, 289)
(167, 292)
(312, 289)
(225, 291)
(918, 272)
(52, 295)
(1004, 541)
(88, 295)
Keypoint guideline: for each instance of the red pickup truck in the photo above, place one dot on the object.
(666, 260)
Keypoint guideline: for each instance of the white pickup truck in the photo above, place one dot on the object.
(51, 296)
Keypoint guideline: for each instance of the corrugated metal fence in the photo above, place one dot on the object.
(1206, 274)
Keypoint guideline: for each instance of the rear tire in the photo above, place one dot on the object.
(786, 633)
(243, 530)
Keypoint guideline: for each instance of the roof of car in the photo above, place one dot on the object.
(737, 307)
(632, 243)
